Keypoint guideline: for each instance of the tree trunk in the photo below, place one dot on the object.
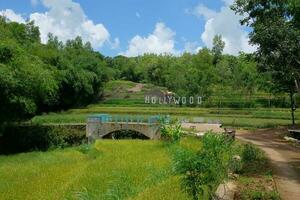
(292, 107)
(297, 85)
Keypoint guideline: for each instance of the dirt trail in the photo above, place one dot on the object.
(137, 88)
(285, 159)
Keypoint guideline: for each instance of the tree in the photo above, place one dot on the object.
(37, 78)
(218, 47)
(276, 32)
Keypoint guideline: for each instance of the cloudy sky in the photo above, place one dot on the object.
(135, 27)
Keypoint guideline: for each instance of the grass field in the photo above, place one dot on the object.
(254, 118)
(121, 99)
(127, 169)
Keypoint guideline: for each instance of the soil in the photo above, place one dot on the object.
(284, 159)
(137, 88)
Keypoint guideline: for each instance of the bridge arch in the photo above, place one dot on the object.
(98, 130)
(126, 134)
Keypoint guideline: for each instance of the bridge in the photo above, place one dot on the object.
(100, 125)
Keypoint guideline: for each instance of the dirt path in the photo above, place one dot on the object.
(137, 88)
(285, 159)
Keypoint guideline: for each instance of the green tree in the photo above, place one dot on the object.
(218, 47)
(275, 31)
(36, 78)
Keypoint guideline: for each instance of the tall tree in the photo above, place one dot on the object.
(276, 32)
(218, 47)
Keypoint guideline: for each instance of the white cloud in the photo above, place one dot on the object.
(12, 16)
(228, 2)
(34, 2)
(202, 10)
(137, 14)
(225, 23)
(159, 42)
(192, 47)
(66, 20)
(115, 44)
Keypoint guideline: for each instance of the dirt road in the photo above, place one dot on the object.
(285, 159)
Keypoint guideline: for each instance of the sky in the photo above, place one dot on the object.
(135, 27)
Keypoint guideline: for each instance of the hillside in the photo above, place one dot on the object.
(127, 92)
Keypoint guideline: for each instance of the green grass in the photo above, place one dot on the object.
(127, 169)
(118, 100)
(255, 118)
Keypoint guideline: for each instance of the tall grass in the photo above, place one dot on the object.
(126, 169)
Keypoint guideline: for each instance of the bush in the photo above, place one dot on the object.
(17, 139)
(170, 131)
(204, 171)
(253, 159)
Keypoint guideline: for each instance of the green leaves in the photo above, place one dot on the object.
(36, 78)
(203, 171)
(171, 132)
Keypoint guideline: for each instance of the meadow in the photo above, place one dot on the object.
(125, 169)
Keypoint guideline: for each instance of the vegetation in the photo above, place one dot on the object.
(25, 138)
(254, 118)
(248, 90)
(170, 131)
(255, 179)
(109, 169)
(129, 169)
(275, 30)
(204, 170)
(36, 78)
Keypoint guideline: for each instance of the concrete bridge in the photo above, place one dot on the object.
(98, 126)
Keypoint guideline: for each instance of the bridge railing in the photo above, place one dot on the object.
(106, 118)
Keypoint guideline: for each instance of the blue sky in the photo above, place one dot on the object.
(134, 27)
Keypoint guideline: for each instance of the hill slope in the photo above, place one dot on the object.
(127, 92)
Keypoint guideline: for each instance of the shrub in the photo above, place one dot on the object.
(170, 131)
(204, 171)
(253, 159)
(251, 153)
(16, 139)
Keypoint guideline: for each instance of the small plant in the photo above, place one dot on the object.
(204, 171)
(89, 150)
(251, 153)
(170, 131)
(236, 165)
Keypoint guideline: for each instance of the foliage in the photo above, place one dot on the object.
(16, 139)
(205, 170)
(218, 47)
(253, 159)
(197, 74)
(275, 31)
(171, 131)
(251, 154)
(36, 78)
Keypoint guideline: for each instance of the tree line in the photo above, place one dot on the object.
(37, 78)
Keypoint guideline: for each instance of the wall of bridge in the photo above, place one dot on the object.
(97, 130)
